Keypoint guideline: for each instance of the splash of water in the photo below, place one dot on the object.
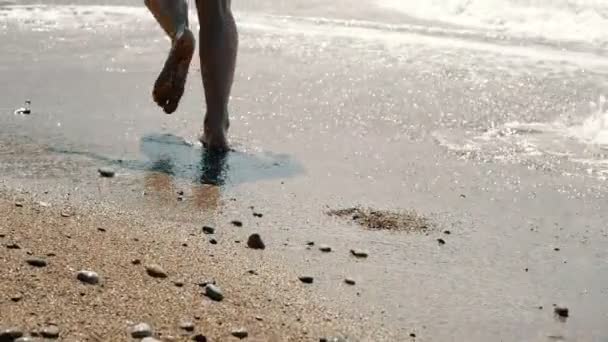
(594, 129)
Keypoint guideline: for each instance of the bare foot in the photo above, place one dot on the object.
(215, 139)
(169, 86)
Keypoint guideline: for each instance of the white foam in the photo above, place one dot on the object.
(571, 20)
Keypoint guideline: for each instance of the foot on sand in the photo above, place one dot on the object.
(169, 86)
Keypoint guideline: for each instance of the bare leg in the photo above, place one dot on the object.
(218, 49)
(172, 15)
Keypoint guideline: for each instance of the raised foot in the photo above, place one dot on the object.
(169, 86)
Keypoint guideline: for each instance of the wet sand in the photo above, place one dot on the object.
(326, 115)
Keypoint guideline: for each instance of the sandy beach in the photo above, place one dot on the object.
(475, 147)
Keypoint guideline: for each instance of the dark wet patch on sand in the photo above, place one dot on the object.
(406, 220)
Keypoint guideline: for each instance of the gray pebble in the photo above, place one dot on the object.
(36, 262)
(214, 292)
(208, 230)
(325, 248)
(358, 253)
(141, 330)
(50, 331)
(240, 333)
(186, 325)
(255, 242)
(88, 277)
(310, 243)
(106, 172)
(306, 279)
(150, 339)
(350, 281)
(13, 246)
(10, 334)
(156, 271)
(24, 339)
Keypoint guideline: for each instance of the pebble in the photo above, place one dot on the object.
(199, 338)
(310, 243)
(240, 333)
(325, 248)
(306, 279)
(150, 339)
(10, 334)
(186, 325)
(258, 214)
(447, 232)
(88, 277)
(208, 230)
(141, 330)
(255, 242)
(332, 339)
(358, 254)
(50, 331)
(136, 262)
(350, 281)
(237, 223)
(36, 262)
(413, 335)
(106, 172)
(178, 283)
(13, 246)
(214, 292)
(24, 339)
(213, 241)
(103, 230)
(16, 297)
(156, 271)
(441, 241)
(19, 204)
(562, 311)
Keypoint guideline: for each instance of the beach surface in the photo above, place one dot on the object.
(487, 141)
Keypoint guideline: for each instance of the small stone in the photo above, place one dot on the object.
(358, 254)
(16, 297)
(136, 262)
(199, 338)
(447, 232)
(66, 214)
(253, 272)
(413, 335)
(13, 246)
(255, 242)
(36, 262)
(88, 277)
(306, 279)
(258, 215)
(186, 325)
(259, 318)
(185, 244)
(141, 330)
(150, 339)
(178, 283)
(441, 241)
(240, 333)
(213, 241)
(332, 339)
(50, 331)
(19, 204)
(208, 230)
(310, 243)
(180, 193)
(106, 172)
(556, 249)
(237, 223)
(561, 311)
(103, 230)
(156, 271)
(214, 292)
(10, 334)
(24, 339)
(350, 281)
(325, 248)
